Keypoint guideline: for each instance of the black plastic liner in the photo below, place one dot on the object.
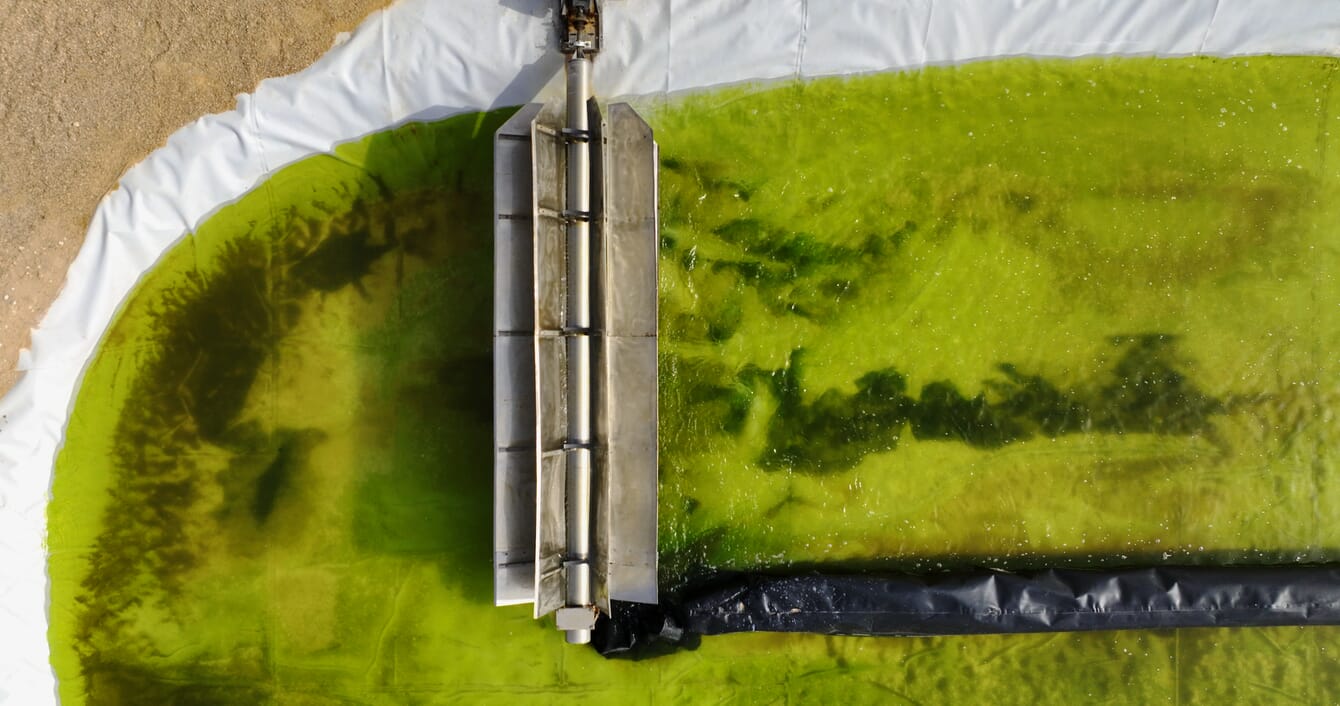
(982, 603)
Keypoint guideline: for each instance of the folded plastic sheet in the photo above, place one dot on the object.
(1025, 602)
(421, 60)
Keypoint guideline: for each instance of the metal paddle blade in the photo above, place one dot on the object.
(533, 381)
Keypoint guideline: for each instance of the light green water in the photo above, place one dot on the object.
(1008, 313)
(1012, 313)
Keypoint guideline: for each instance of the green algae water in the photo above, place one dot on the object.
(1008, 314)
(1014, 313)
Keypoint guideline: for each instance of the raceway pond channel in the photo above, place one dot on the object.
(1011, 313)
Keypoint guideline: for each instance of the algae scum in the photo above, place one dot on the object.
(1013, 313)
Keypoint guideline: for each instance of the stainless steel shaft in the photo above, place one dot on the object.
(579, 341)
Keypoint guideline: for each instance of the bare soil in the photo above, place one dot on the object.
(89, 87)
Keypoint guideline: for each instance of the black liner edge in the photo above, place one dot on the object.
(980, 602)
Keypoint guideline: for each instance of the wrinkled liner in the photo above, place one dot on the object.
(986, 602)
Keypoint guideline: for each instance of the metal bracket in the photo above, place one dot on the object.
(569, 619)
(535, 340)
(575, 135)
(580, 33)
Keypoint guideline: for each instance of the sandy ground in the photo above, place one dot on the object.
(90, 87)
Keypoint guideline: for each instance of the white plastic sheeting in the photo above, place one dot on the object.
(427, 59)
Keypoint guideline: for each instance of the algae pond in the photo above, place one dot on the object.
(1016, 313)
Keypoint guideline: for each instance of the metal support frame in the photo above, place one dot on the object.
(575, 474)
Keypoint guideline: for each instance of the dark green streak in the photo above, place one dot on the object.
(1144, 393)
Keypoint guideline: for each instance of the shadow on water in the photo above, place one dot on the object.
(421, 202)
(434, 362)
(1147, 390)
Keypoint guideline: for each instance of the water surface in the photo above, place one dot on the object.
(1009, 313)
